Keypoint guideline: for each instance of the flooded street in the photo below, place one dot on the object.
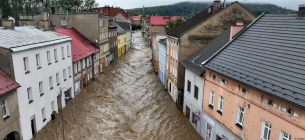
(126, 102)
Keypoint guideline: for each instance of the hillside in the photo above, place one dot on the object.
(186, 9)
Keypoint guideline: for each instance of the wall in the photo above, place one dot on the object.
(202, 34)
(128, 40)
(259, 109)
(32, 80)
(120, 17)
(121, 44)
(156, 39)
(172, 47)
(162, 63)
(11, 124)
(189, 99)
(7, 66)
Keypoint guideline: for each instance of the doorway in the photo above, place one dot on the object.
(33, 125)
(187, 112)
(59, 102)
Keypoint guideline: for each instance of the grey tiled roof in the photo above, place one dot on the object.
(28, 37)
(193, 62)
(269, 56)
(124, 25)
(164, 42)
(120, 30)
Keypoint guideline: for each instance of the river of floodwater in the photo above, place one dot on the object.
(126, 102)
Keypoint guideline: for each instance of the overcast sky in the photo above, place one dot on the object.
(128, 4)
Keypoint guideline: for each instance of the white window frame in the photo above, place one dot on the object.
(84, 64)
(26, 64)
(78, 66)
(55, 55)
(212, 96)
(43, 113)
(64, 74)
(266, 130)
(63, 52)
(51, 81)
(40, 87)
(49, 57)
(30, 96)
(38, 64)
(220, 103)
(52, 105)
(69, 68)
(75, 68)
(239, 112)
(4, 106)
(68, 51)
(57, 78)
(283, 137)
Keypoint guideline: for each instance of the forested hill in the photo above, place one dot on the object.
(186, 9)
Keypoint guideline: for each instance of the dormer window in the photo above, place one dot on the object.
(223, 81)
(214, 77)
(290, 111)
(244, 90)
(270, 102)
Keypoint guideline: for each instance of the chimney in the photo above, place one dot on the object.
(216, 5)
(301, 12)
(235, 29)
(8, 24)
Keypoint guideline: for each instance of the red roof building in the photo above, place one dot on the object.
(162, 20)
(112, 12)
(7, 84)
(81, 46)
(132, 19)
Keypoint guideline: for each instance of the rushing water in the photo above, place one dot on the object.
(126, 102)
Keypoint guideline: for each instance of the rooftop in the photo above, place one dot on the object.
(162, 20)
(269, 56)
(7, 84)
(120, 30)
(81, 46)
(27, 37)
(163, 42)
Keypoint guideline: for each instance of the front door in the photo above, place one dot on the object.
(187, 112)
(33, 126)
(59, 102)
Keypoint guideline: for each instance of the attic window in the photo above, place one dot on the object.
(290, 111)
(244, 90)
(214, 77)
(223, 81)
(85, 43)
(270, 102)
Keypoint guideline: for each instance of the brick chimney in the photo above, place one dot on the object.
(235, 29)
(8, 24)
(301, 12)
(216, 5)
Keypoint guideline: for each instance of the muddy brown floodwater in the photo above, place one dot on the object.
(126, 102)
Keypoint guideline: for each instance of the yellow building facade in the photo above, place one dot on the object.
(121, 44)
(103, 41)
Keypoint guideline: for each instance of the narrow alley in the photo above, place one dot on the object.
(126, 102)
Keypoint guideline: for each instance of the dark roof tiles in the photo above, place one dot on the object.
(7, 84)
(269, 56)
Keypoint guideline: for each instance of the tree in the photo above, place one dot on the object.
(170, 25)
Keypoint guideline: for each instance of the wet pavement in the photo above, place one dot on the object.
(126, 102)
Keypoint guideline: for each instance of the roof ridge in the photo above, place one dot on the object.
(188, 20)
(236, 36)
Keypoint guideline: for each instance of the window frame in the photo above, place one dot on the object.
(69, 69)
(30, 95)
(38, 63)
(49, 57)
(220, 103)
(63, 53)
(64, 75)
(26, 65)
(43, 113)
(51, 82)
(194, 122)
(6, 108)
(189, 85)
(55, 56)
(68, 51)
(283, 137)
(57, 79)
(240, 111)
(211, 99)
(196, 90)
(40, 84)
(263, 131)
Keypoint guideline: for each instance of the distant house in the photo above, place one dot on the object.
(85, 58)
(193, 34)
(156, 37)
(127, 27)
(256, 82)
(135, 20)
(113, 43)
(162, 60)
(9, 109)
(41, 62)
(121, 40)
(194, 74)
(116, 13)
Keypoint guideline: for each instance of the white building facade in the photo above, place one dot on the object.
(193, 96)
(41, 67)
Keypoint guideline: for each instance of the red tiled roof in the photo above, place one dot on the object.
(79, 49)
(162, 20)
(135, 17)
(112, 12)
(7, 84)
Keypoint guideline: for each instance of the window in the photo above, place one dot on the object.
(30, 97)
(51, 82)
(5, 111)
(189, 84)
(49, 57)
(64, 74)
(26, 65)
(211, 103)
(266, 129)
(68, 51)
(270, 102)
(285, 136)
(84, 64)
(289, 111)
(75, 68)
(87, 61)
(193, 119)
(63, 53)
(43, 110)
(52, 105)
(244, 90)
(38, 61)
(240, 116)
(57, 79)
(78, 66)
(220, 103)
(63, 22)
(214, 77)
(69, 68)
(55, 55)
(223, 81)
(196, 92)
(41, 89)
